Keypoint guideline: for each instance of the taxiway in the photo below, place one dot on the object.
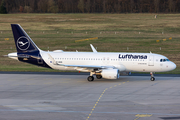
(67, 97)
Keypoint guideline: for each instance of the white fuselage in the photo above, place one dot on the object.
(130, 62)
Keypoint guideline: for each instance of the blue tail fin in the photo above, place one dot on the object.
(22, 41)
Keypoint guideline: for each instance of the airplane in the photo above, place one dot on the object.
(107, 65)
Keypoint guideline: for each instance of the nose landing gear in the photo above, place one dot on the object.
(152, 76)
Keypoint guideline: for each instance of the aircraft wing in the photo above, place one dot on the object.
(88, 66)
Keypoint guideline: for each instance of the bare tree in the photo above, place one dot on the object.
(104, 6)
(88, 5)
(170, 2)
(3, 7)
(43, 6)
(141, 5)
(21, 9)
(60, 4)
(81, 5)
(33, 5)
(27, 9)
(132, 5)
(156, 5)
(52, 7)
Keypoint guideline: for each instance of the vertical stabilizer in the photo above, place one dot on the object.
(22, 41)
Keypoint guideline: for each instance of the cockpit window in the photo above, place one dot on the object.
(164, 60)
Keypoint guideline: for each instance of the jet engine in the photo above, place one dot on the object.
(110, 73)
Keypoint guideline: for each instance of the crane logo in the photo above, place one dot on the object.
(23, 43)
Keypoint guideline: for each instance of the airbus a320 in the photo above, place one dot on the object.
(107, 65)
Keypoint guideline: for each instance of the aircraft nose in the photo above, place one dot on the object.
(172, 66)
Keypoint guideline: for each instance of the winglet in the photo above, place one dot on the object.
(93, 49)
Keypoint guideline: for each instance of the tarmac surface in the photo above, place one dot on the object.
(72, 97)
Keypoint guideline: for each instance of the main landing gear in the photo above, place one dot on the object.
(91, 78)
(98, 76)
(152, 76)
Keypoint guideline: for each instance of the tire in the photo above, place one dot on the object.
(98, 76)
(152, 78)
(90, 78)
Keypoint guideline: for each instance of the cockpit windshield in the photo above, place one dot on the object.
(164, 60)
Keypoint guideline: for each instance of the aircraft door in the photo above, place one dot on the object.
(151, 61)
(40, 61)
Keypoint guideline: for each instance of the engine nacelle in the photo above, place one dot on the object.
(110, 73)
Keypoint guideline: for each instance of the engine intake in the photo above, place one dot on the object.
(110, 73)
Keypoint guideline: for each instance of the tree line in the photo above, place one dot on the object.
(90, 6)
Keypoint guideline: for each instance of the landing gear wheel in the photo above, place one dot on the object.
(98, 76)
(90, 78)
(152, 78)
